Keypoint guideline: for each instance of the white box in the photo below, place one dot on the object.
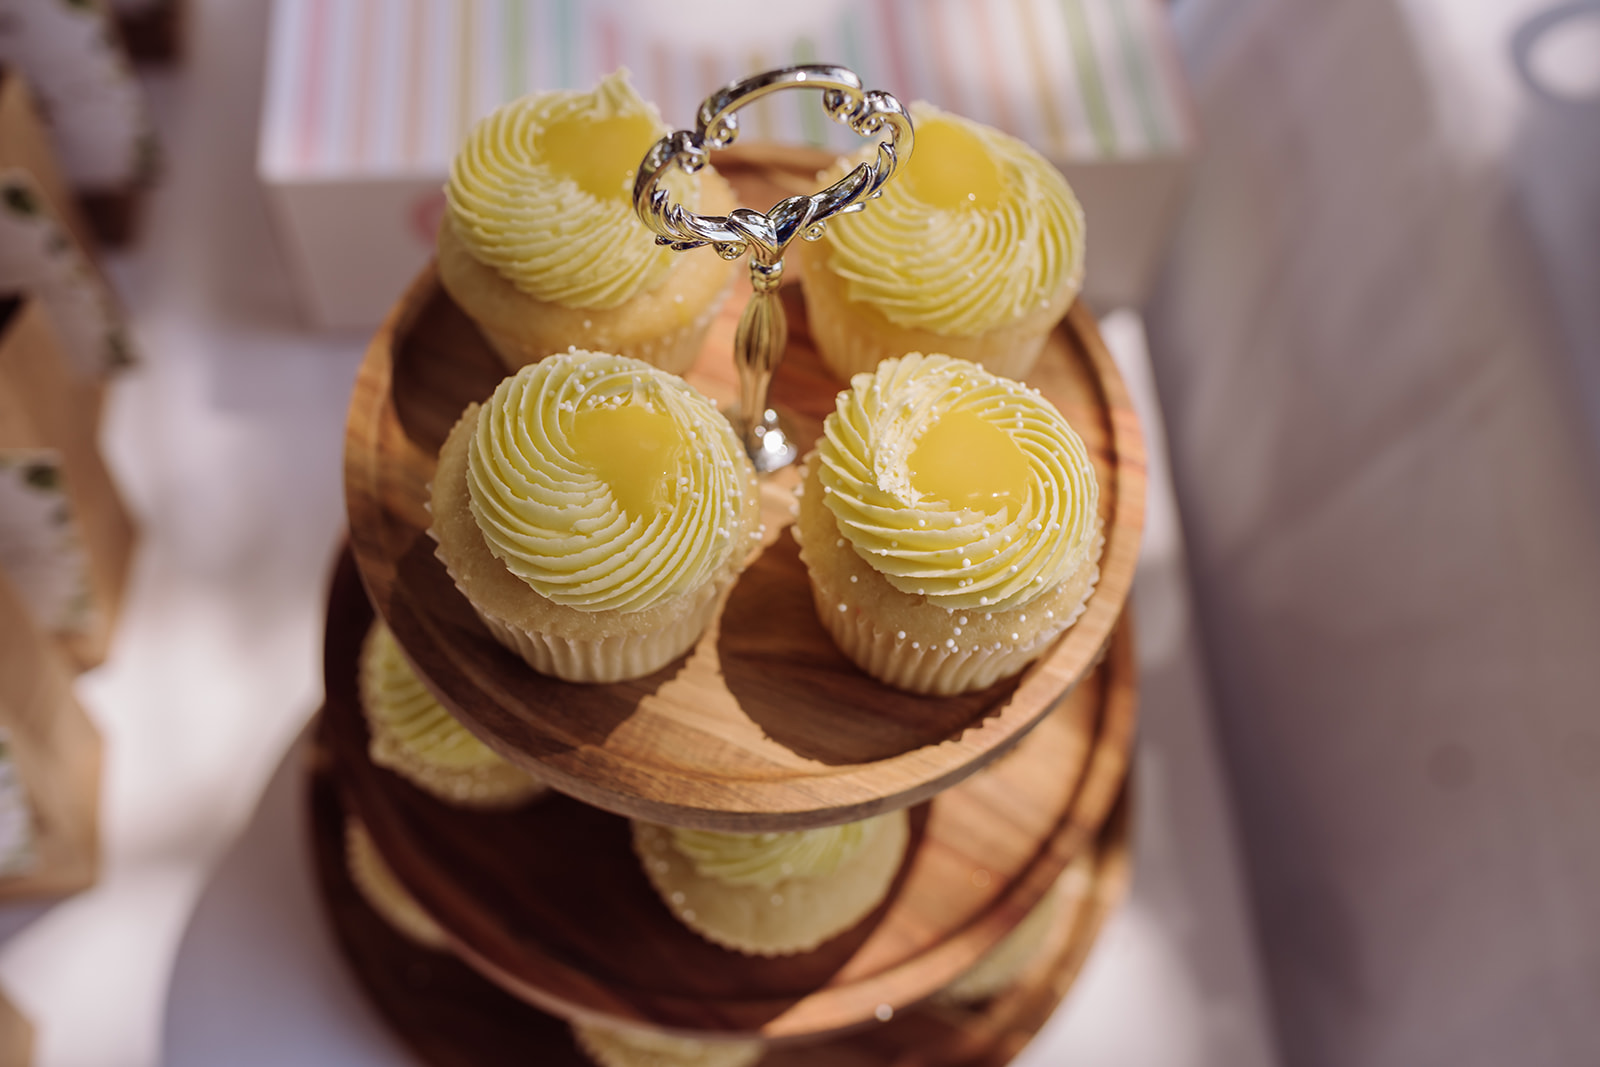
(365, 105)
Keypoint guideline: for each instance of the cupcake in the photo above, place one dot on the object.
(540, 245)
(382, 890)
(773, 894)
(1004, 964)
(593, 511)
(975, 249)
(611, 1047)
(414, 736)
(949, 524)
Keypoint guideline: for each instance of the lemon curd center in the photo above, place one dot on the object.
(950, 169)
(632, 449)
(601, 156)
(969, 463)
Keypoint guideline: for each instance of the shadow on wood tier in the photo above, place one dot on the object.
(450, 1016)
(550, 901)
(764, 725)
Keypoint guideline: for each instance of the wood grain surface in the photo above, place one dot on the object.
(451, 1016)
(550, 901)
(764, 724)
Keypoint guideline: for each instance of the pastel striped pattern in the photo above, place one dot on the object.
(390, 87)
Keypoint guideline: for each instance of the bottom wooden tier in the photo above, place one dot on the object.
(550, 903)
(451, 1016)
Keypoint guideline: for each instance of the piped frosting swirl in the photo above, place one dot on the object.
(965, 264)
(604, 483)
(530, 194)
(766, 859)
(997, 553)
(410, 716)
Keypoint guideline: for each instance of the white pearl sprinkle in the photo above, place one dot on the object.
(962, 621)
(916, 644)
(854, 579)
(900, 635)
(1016, 636)
(842, 608)
(678, 898)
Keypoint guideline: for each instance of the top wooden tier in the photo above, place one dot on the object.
(764, 725)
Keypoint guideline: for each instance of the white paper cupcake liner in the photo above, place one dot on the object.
(930, 668)
(851, 338)
(792, 916)
(484, 788)
(615, 658)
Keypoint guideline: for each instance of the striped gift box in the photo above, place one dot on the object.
(379, 93)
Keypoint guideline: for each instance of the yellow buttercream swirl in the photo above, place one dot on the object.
(766, 859)
(547, 512)
(393, 696)
(959, 557)
(525, 213)
(966, 269)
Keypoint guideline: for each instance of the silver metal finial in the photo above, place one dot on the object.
(763, 331)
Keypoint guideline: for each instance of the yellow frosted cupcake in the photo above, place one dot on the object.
(1004, 964)
(610, 1047)
(540, 244)
(382, 890)
(773, 894)
(417, 738)
(949, 524)
(593, 511)
(975, 249)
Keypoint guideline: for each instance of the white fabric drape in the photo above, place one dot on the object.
(1372, 344)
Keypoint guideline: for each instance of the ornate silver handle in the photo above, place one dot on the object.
(763, 332)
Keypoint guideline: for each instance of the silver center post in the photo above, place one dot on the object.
(763, 331)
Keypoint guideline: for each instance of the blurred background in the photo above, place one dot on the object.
(1346, 252)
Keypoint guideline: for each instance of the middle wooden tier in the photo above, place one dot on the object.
(550, 902)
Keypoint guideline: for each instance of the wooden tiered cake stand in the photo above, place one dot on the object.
(762, 726)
